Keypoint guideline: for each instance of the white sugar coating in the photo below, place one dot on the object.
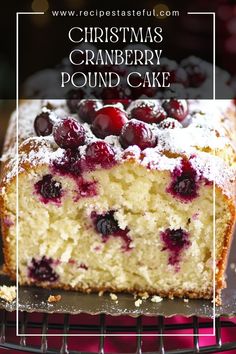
(202, 123)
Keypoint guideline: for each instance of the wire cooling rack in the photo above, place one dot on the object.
(62, 325)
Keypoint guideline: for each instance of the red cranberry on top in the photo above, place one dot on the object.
(148, 112)
(68, 133)
(87, 109)
(137, 133)
(100, 153)
(43, 124)
(108, 121)
(175, 108)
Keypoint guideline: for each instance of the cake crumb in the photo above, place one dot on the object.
(8, 293)
(156, 299)
(101, 293)
(138, 302)
(144, 295)
(113, 296)
(233, 266)
(186, 300)
(54, 298)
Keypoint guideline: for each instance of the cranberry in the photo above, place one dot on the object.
(184, 185)
(43, 125)
(49, 189)
(69, 162)
(87, 109)
(68, 133)
(169, 123)
(137, 133)
(108, 121)
(149, 113)
(177, 109)
(175, 240)
(107, 226)
(100, 153)
(196, 74)
(41, 270)
(74, 96)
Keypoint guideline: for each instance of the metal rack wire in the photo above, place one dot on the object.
(64, 327)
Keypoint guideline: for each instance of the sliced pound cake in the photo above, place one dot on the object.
(120, 200)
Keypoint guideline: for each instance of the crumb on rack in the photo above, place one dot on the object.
(144, 296)
(156, 299)
(138, 302)
(186, 300)
(101, 293)
(54, 298)
(113, 296)
(8, 293)
(233, 266)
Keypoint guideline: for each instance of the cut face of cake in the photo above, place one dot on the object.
(121, 199)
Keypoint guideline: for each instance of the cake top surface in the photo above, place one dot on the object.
(156, 133)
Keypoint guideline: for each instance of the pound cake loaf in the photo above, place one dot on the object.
(120, 198)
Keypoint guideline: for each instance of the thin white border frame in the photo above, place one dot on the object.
(17, 211)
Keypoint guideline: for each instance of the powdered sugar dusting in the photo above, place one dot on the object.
(202, 131)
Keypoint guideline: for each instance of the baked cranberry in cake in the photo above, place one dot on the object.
(41, 270)
(177, 109)
(149, 113)
(137, 133)
(108, 121)
(74, 97)
(99, 153)
(68, 163)
(175, 241)
(107, 225)
(43, 124)
(87, 109)
(169, 123)
(49, 189)
(68, 133)
(184, 185)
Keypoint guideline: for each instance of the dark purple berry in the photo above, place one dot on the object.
(87, 110)
(137, 133)
(41, 270)
(106, 224)
(43, 125)
(185, 184)
(175, 240)
(49, 189)
(177, 109)
(100, 153)
(149, 113)
(68, 133)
